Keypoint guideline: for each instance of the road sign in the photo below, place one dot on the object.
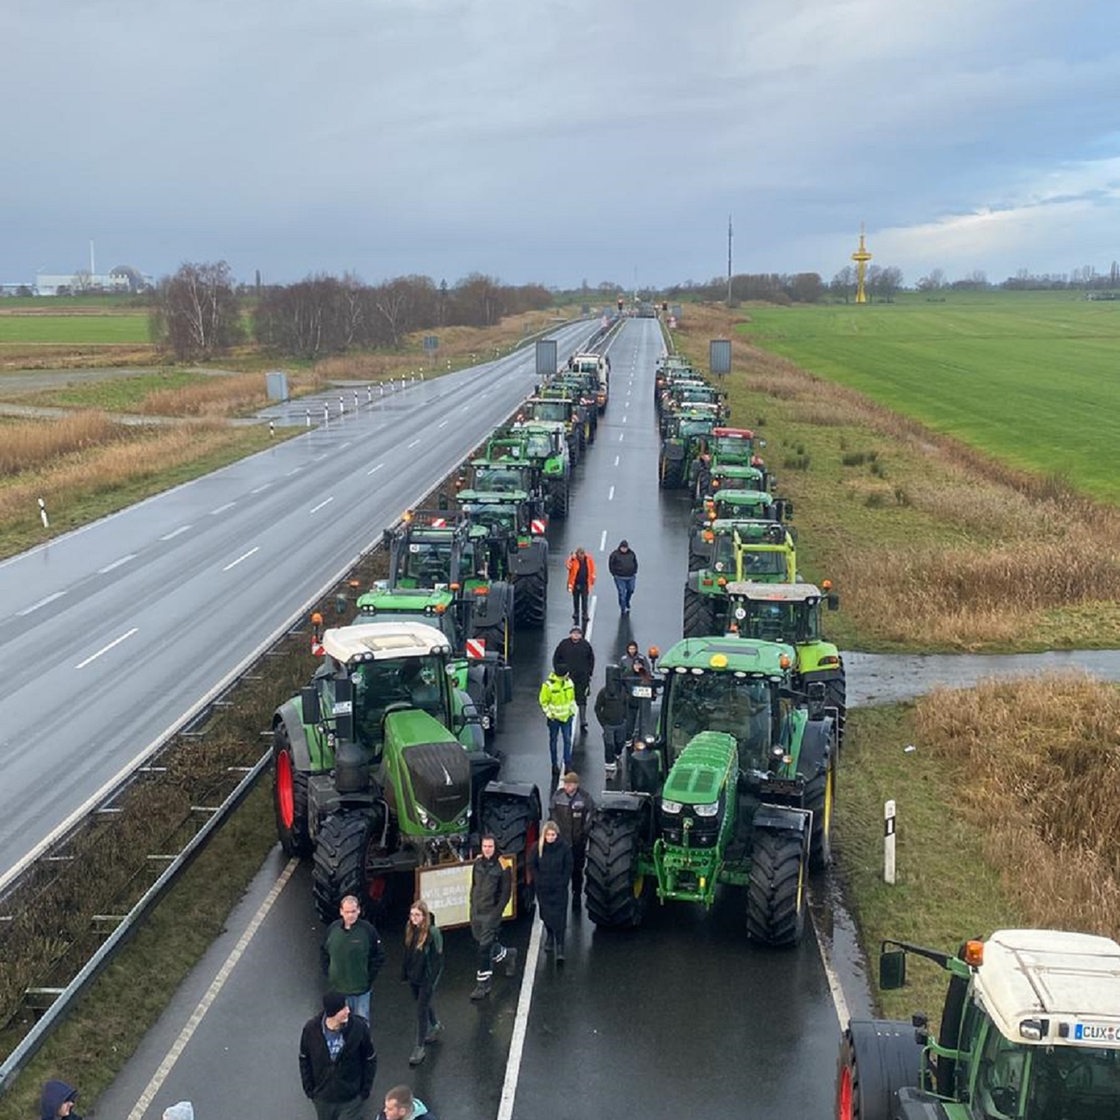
(719, 355)
(431, 343)
(546, 357)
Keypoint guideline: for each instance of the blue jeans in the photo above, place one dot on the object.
(625, 586)
(359, 1004)
(561, 727)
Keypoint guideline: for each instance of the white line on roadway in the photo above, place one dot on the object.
(442, 424)
(413, 444)
(294, 470)
(222, 509)
(624, 417)
(244, 556)
(375, 469)
(260, 488)
(344, 446)
(116, 563)
(621, 436)
(212, 993)
(834, 986)
(610, 494)
(603, 541)
(520, 1023)
(324, 502)
(591, 616)
(616, 460)
(175, 532)
(40, 603)
(105, 649)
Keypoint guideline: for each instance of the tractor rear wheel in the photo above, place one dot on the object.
(515, 823)
(558, 493)
(343, 848)
(289, 796)
(615, 883)
(671, 473)
(530, 600)
(498, 638)
(837, 697)
(699, 614)
(820, 793)
(776, 891)
(877, 1058)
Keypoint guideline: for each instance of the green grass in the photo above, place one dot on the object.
(1032, 378)
(122, 394)
(103, 328)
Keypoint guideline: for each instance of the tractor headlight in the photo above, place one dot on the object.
(424, 817)
(673, 807)
(709, 810)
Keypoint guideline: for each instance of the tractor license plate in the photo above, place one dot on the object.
(641, 692)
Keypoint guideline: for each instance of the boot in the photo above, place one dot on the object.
(548, 942)
(583, 718)
(560, 949)
(434, 1032)
(481, 990)
(417, 1056)
(511, 962)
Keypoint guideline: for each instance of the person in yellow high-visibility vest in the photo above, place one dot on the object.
(558, 702)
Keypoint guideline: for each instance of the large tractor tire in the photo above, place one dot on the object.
(559, 494)
(699, 552)
(343, 846)
(530, 600)
(499, 638)
(699, 614)
(776, 891)
(515, 823)
(877, 1058)
(289, 796)
(614, 883)
(837, 697)
(671, 473)
(820, 795)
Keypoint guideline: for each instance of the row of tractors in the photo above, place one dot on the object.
(385, 762)
(733, 780)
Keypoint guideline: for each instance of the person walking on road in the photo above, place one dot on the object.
(557, 699)
(571, 808)
(491, 888)
(337, 1061)
(422, 968)
(352, 956)
(58, 1100)
(576, 652)
(636, 671)
(623, 565)
(581, 579)
(612, 710)
(550, 863)
(402, 1104)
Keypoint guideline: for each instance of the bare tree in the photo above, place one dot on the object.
(196, 313)
(843, 284)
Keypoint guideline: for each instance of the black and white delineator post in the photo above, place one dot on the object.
(43, 512)
(888, 842)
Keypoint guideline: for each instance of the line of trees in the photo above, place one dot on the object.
(198, 312)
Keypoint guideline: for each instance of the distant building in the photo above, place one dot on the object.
(123, 278)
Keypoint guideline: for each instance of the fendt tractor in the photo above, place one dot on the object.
(1030, 1030)
(735, 787)
(379, 767)
(791, 613)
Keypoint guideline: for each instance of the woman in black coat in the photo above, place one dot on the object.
(551, 867)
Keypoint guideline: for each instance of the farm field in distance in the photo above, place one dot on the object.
(1030, 377)
(75, 321)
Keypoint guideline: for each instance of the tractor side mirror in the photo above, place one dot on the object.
(309, 702)
(340, 603)
(441, 501)
(833, 602)
(344, 710)
(892, 969)
(816, 692)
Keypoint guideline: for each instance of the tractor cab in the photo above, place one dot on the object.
(430, 549)
(779, 612)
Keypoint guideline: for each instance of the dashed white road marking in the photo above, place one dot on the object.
(621, 436)
(41, 603)
(176, 532)
(610, 494)
(222, 509)
(243, 556)
(616, 458)
(603, 541)
(324, 502)
(413, 444)
(116, 563)
(261, 489)
(520, 1022)
(105, 649)
(374, 470)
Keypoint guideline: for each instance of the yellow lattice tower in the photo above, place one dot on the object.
(861, 256)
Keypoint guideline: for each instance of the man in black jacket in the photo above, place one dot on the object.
(612, 710)
(337, 1061)
(576, 652)
(623, 565)
(491, 887)
(571, 808)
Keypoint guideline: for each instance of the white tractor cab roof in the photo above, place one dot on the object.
(1051, 988)
(378, 641)
(776, 592)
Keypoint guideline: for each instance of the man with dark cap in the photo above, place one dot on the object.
(571, 809)
(58, 1100)
(623, 566)
(337, 1061)
(612, 710)
(579, 657)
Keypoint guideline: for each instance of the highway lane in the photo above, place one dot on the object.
(114, 633)
(679, 1015)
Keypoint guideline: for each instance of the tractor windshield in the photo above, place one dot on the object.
(758, 564)
(1046, 1082)
(706, 701)
(428, 562)
(539, 445)
(502, 518)
(733, 450)
(772, 621)
(384, 686)
(551, 410)
(497, 479)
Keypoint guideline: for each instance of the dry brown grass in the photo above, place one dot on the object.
(1040, 766)
(930, 540)
(27, 445)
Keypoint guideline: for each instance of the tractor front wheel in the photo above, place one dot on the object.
(877, 1058)
(345, 843)
(776, 891)
(289, 796)
(615, 883)
(515, 823)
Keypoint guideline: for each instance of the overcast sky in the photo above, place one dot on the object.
(558, 141)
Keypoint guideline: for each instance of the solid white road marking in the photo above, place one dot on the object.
(324, 502)
(520, 1025)
(591, 616)
(105, 649)
(40, 603)
(212, 993)
(243, 556)
(116, 563)
(176, 532)
(838, 1000)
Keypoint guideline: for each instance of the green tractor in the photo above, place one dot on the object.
(728, 507)
(582, 388)
(791, 613)
(762, 551)
(379, 767)
(1030, 1030)
(685, 439)
(561, 408)
(598, 366)
(669, 368)
(546, 446)
(736, 787)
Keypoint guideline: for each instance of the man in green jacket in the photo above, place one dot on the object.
(352, 956)
(558, 702)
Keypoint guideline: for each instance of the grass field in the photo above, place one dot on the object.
(68, 328)
(1030, 377)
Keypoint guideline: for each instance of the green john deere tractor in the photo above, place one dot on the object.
(762, 551)
(584, 390)
(736, 788)
(379, 767)
(560, 408)
(684, 439)
(791, 613)
(1030, 1030)
(546, 446)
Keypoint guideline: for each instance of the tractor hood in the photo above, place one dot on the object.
(400, 600)
(703, 769)
(436, 766)
(728, 655)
